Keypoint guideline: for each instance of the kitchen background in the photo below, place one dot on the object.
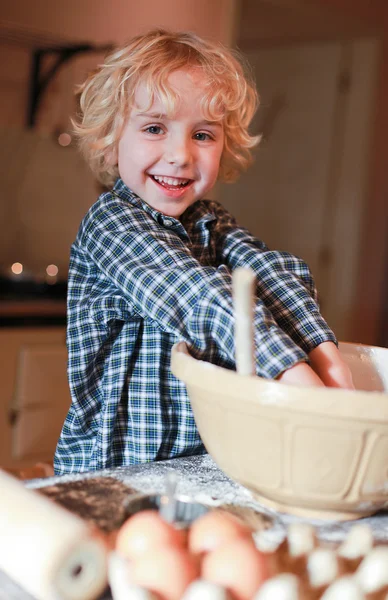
(318, 188)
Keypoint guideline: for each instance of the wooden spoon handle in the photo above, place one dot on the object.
(243, 294)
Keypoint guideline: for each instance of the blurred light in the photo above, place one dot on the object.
(64, 139)
(17, 268)
(52, 270)
(51, 280)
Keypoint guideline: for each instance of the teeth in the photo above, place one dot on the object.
(170, 180)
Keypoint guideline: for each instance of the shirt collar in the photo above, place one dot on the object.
(198, 212)
(121, 190)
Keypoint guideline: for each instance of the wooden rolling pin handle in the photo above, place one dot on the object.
(47, 550)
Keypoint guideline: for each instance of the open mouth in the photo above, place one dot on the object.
(171, 183)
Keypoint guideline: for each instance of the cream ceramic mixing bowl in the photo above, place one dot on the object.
(314, 452)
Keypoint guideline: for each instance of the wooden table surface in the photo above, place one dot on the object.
(202, 480)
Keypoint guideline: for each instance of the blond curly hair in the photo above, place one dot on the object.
(107, 96)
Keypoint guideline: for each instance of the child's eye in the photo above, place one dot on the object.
(201, 136)
(154, 129)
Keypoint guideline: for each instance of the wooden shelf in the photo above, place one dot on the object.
(29, 308)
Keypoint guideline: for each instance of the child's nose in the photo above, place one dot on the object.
(178, 152)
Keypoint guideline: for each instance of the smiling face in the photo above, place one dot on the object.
(170, 161)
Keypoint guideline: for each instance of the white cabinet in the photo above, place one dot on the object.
(34, 396)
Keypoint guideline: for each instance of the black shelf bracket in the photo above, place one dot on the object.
(39, 82)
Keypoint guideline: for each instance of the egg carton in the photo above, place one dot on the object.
(302, 570)
(305, 570)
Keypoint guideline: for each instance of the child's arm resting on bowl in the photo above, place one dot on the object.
(155, 277)
(284, 282)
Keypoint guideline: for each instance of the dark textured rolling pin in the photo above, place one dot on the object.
(47, 550)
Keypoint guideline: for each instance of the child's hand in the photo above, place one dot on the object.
(330, 367)
(327, 369)
(301, 374)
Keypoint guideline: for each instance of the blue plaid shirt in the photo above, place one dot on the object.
(140, 281)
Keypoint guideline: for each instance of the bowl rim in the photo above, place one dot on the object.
(356, 405)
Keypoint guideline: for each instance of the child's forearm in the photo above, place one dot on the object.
(301, 374)
(286, 286)
(284, 283)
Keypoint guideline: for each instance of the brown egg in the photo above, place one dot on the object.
(238, 566)
(145, 531)
(166, 570)
(214, 529)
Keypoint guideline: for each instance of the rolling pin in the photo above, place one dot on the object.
(44, 548)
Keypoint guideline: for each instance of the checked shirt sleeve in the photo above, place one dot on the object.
(163, 283)
(284, 283)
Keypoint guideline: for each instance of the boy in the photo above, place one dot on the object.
(162, 120)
